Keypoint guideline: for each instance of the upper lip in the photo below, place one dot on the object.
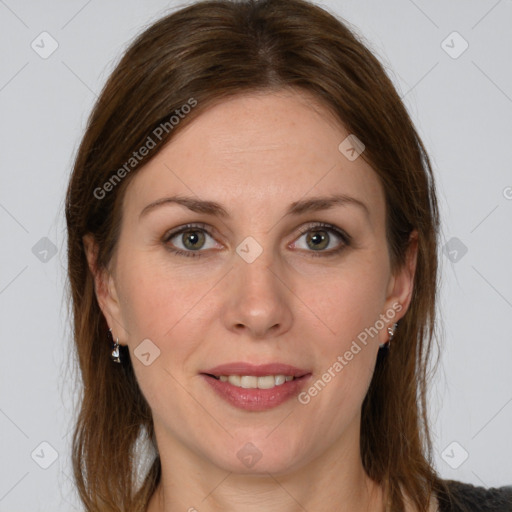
(241, 368)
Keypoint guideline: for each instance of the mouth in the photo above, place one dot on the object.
(256, 388)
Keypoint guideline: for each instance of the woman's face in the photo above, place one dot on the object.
(262, 279)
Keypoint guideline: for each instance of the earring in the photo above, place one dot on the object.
(391, 332)
(115, 348)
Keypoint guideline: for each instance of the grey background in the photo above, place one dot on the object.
(462, 108)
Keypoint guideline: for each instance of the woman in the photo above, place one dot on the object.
(253, 226)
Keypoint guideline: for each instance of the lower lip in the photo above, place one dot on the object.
(256, 399)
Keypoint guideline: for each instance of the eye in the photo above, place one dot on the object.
(188, 240)
(321, 236)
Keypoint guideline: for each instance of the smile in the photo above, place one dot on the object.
(254, 382)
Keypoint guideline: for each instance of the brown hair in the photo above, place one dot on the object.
(209, 51)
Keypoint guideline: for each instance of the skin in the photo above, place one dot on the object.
(255, 154)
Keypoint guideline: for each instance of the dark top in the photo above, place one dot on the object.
(469, 498)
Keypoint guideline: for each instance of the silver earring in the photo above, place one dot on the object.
(391, 332)
(115, 348)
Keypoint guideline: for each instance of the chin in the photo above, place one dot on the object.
(260, 457)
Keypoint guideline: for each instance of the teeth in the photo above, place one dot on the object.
(252, 382)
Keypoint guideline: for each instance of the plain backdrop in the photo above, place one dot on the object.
(450, 62)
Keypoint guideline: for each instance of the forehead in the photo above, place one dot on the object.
(257, 149)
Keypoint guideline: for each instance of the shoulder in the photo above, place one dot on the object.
(455, 496)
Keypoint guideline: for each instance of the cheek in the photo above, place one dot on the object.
(348, 304)
(156, 306)
(347, 355)
(153, 299)
(169, 308)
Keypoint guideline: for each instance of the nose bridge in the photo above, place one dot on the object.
(253, 271)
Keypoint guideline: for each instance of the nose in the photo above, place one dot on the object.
(258, 298)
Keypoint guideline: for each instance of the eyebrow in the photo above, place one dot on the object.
(296, 208)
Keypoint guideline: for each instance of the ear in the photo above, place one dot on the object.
(401, 285)
(105, 289)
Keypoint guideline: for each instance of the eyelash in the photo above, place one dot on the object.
(346, 239)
